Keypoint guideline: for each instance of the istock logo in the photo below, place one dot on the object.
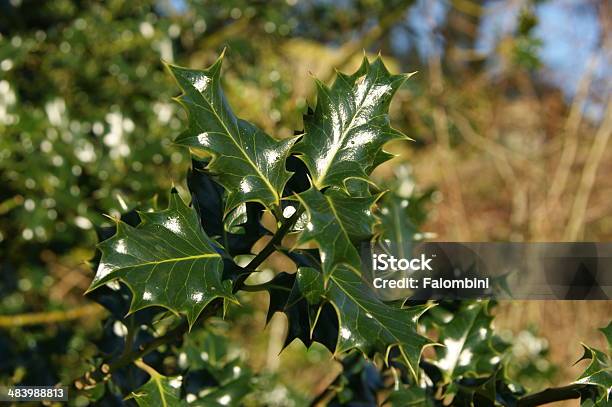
(384, 262)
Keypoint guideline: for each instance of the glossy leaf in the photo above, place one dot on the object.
(214, 376)
(599, 371)
(249, 163)
(410, 396)
(344, 135)
(396, 229)
(358, 384)
(289, 296)
(310, 285)
(167, 260)
(467, 343)
(229, 394)
(367, 324)
(208, 197)
(159, 391)
(335, 221)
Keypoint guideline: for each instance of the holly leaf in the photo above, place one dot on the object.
(279, 289)
(599, 371)
(467, 340)
(344, 135)
(396, 229)
(297, 295)
(249, 163)
(335, 221)
(358, 384)
(213, 375)
(309, 285)
(159, 390)
(368, 324)
(207, 199)
(409, 396)
(167, 260)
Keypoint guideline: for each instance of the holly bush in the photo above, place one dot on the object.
(166, 275)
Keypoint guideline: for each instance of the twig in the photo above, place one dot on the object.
(269, 248)
(385, 23)
(448, 168)
(51, 317)
(570, 145)
(589, 173)
(551, 395)
(104, 371)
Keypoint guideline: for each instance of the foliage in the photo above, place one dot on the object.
(183, 259)
(86, 126)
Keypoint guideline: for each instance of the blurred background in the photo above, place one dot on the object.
(509, 112)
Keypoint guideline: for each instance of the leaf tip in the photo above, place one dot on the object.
(410, 74)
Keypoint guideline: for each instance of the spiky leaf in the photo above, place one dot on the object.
(159, 391)
(297, 296)
(598, 373)
(396, 229)
(249, 163)
(335, 221)
(207, 198)
(468, 343)
(368, 324)
(344, 135)
(214, 376)
(167, 260)
(409, 396)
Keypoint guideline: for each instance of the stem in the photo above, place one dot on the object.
(129, 339)
(551, 395)
(255, 288)
(269, 248)
(104, 371)
(276, 240)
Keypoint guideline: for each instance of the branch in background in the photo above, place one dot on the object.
(51, 317)
(576, 220)
(352, 48)
(570, 145)
(448, 167)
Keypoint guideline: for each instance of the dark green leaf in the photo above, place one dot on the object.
(366, 323)
(207, 197)
(279, 289)
(350, 125)
(229, 394)
(167, 260)
(335, 221)
(159, 391)
(599, 371)
(409, 396)
(213, 377)
(249, 163)
(285, 296)
(396, 229)
(310, 284)
(467, 340)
